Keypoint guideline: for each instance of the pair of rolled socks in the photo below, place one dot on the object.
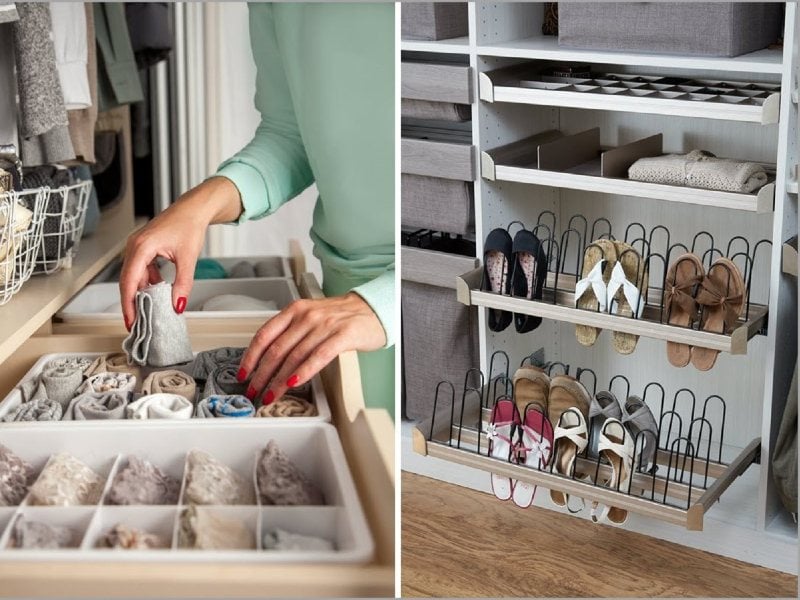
(142, 482)
(116, 362)
(109, 382)
(208, 360)
(170, 381)
(281, 482)
(66, 481)
(95, 406)
(16, 475)
(288, 406)
(204, 529)
(222, 380)
(247, 270)
(210, 482)
(160, 406)
(224, 406)
(40, 409)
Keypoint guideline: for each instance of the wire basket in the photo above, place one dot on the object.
(64, 212)
(20, 238)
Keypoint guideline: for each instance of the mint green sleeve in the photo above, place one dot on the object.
(379, 294)
(273, 168)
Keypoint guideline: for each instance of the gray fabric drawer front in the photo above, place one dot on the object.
(433, 20)
(437, 159)
(439, 269)
(436, 82)
(701, 28)
(440, 342)
(435, 203)
(436, 111)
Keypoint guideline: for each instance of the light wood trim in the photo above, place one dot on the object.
(297, 260)
(789, 259)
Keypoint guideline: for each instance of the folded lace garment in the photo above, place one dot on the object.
(122, 537)
(204, 529)
(159, 337)
(208, 360)
(222, 381)
(234, 302)
(224, 406)
(208, 481)
(700, 169)
(16, 476)
(285, 540)
(41, 409)
(160, 406)
(94, 406)
(170, 381)
(281, 482)
(66, 481)
(116, 362)
(109, 382)
(141, 482)
(242, 270)
(288, 406)
(35, 535)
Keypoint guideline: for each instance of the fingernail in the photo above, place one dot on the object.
(292, 381)
(127, 325)
(250, 393)
(241, 376)
(180, 305)
(269, 397)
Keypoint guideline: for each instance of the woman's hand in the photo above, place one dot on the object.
(176, 234)
(296, 344)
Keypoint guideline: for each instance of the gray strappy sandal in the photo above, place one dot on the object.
(642, 424)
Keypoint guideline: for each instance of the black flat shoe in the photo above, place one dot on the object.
(528, 275)
(497, 262)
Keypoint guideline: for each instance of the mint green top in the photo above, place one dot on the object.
(325, 91)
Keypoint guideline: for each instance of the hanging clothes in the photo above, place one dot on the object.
(72, 49)
(8, 92)
(82, 121)
(8, 12)
(118, 78)
(150, 31)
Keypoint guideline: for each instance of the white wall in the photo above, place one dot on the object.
(234, 123)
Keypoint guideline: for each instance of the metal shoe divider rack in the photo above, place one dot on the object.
(694, 468)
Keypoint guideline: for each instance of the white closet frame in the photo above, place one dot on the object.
(749, 522)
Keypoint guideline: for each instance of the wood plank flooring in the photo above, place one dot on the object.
(458, 542)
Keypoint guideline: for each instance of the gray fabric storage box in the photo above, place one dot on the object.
(440, 335)
(433, 20)
(436, 203)
(699, 28)
(437, 111)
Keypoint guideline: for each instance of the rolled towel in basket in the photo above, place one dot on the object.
(242, 270)
(281, 482)
(208, 360)
(40, 409)
(222, 381)
(221, 406)
(170, 381)
(700, 169)
(159, 337)
(109, 382)
(141, 482)
(288, 406)
(12, 238)
(208, 481)
(96, 406)
(66, 481)
(160, 406)
(16, 475)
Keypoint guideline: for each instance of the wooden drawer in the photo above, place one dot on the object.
(436, 82)
(437, 159)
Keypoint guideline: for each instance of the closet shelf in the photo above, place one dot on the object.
(518, 162)
(506, 85)
(441, 437)
(43, 295)
(790, 257)
(547, 48)
(459, 45)
(468, 292)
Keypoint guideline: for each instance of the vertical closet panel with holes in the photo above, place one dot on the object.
(557, 130)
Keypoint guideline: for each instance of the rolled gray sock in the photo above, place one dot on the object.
(41, 409)
(267, 268)
(224, 406)
(61, 383)
(222, 381)
(281, 482)
(208, 360)
(242, 270)
(95, 406)
(32, 389)
(109, 382)
(159, 337)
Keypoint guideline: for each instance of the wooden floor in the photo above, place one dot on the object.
(459, 542)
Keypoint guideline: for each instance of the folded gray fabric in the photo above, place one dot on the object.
(94, 406)
(242, 270)
(41, 409)
(281, 482)
(109, 382)
(159, 337)
(237, 302)
(268, 268)
(35, 535)
(224, 406)
(123, 537)
(208, 360)
(16, 476)
(435, 111)
(61, 383)
(285, 540)
(160, 406)
(436, 203)
(210, 482)
(604, 406)
(222, 381)
(700, 169)
(141, 482)
(644, 429)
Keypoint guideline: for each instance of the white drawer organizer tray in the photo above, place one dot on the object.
(95, 302)
(14, 398)
(313, 447)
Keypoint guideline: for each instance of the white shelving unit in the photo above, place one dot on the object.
(748, 522)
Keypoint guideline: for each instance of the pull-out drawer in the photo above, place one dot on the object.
(435, 158)
(438, 82)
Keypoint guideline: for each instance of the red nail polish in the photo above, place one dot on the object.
(269, 397)
(127, 325)
(292, 381)
(241, 375)
(181, 305)
(250, 393)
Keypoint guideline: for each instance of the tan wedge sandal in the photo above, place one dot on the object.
(680, 305)
(591, 290)
(627, 292)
